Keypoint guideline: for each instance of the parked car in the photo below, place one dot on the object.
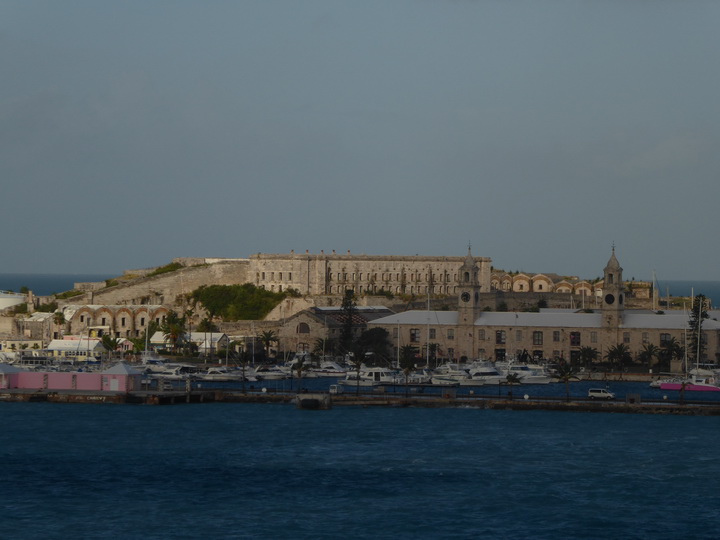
(600, 393)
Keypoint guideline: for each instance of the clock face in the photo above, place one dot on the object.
(609, 299)
(465, 297)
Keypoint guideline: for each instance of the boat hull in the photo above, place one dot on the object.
(690, 387)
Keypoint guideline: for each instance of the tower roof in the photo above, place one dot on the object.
(613, 265)
(469, 261)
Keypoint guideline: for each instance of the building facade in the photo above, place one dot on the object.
(333, 274)
(472, 333)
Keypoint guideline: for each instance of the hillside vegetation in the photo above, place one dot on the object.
(238, 302)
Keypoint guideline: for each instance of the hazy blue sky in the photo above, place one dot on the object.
(540, 131)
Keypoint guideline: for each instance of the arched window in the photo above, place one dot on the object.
(303, 328)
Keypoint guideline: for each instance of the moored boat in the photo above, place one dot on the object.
(367, 377)
(692, 384)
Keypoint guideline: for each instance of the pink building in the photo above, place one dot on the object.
(119, 378)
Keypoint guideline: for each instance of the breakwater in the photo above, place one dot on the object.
(631, 405)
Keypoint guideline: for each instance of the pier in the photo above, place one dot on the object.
(630, 405)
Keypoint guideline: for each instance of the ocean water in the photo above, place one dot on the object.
(272, 471)
(710, 289)
(46, 284)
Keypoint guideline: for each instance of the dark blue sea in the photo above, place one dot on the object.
(272, 471)
(46, 284)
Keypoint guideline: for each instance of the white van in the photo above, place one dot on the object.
(600, 393)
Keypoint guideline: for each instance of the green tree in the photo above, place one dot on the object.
(267, 338)
(649, 352)
(566, 372)
(59, 320)
(302, 364)
(206, 325)
(324, 346)
(110, 344)
(669, 351)
(173, 329)
(408, 356)
(698, 313)
(587, 355)
(377, 342)
(618, 354)
(434, 350)
(348, 310)
(357, 359)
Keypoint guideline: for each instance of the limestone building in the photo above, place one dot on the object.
(471, 333)
(333, 274)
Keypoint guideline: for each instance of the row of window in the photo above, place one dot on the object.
(104, 321)
(538, 336)
(387, 276)
(271, 275)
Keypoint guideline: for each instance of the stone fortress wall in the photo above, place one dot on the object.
(169, 289)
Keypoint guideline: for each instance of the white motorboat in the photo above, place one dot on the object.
(271, 373)
(526, 374)
(449, 375)
(329, 369)
(486, 373)
(173, 373)
(367, 377)
(221, 374)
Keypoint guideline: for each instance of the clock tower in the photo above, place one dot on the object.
(613, 301)
(468, 306)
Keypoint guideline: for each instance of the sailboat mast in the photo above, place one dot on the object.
(427, 352)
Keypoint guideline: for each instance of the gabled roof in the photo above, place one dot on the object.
(74, 344)
(419, 317)
(7, 369)
(551, 318)
(335, 316)
(121, 368)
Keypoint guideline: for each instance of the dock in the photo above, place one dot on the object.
(368, 399)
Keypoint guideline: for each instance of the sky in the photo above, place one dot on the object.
(540, 132)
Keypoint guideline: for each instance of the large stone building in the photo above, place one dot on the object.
(333, 274)
(472, 333)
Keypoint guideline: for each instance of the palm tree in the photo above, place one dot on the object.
(587, 355)
(324, 346)
(619, 354)
(267, 338)
(671, 350)
(649, 351)
(173, 333)
(300, 367)
(110, 343)
(565, 372)
(510, 379)
(189, 317)
(357, 357)
(59, 320)
(407, 362)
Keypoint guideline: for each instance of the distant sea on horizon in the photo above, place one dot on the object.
(46, 284)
